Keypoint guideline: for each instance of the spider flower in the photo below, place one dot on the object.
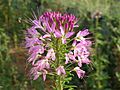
(53, 44)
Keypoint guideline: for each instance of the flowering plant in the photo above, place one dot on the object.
(55, 48)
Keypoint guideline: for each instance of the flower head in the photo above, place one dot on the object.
(53, 44)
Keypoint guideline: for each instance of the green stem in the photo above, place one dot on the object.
(60, 86)
(57, 53)
(97, 58)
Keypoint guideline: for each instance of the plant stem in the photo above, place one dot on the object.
(57, 53)
(60, 86)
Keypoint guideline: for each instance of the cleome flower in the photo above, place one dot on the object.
(48, 42)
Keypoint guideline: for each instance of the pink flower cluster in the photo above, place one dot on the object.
(42, 55)
(79, 52)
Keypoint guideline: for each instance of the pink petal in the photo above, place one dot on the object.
(32, 58)
(62, 30)
(75, 52)
(53, 26)
(74, 43)
(32, 31)
(86, 61)
(69, 34)
(36, 76)
(60, 70)
(44, 74)
(51, 54)
(49, 28)
(79, 62)
(67, 59)
(38, 25)
(66, 26)
(44, 77)
(63, 71)
(75, 26)
(79, 72)
(47, 36)
(36, 22)
(63, 40)
(57, 34)
(83, 33)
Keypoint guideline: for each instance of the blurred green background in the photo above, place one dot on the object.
(101, 17)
